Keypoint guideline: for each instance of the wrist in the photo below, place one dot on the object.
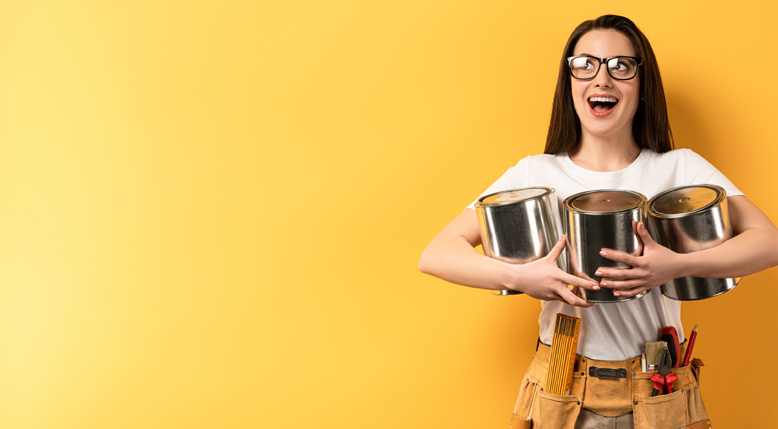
(684, 265)
(510, 275)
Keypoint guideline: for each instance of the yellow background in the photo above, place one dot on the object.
(212, 211)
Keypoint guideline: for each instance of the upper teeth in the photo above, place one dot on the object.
(603, 99)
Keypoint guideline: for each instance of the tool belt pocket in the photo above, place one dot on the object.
(556, 412)
(663, 411)
(538, 409)
(523, 409)
(679, 409)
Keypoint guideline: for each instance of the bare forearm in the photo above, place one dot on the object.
(753, 248)
(750, 252)
(453, 259)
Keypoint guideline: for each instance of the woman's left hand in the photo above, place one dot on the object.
(657, 266)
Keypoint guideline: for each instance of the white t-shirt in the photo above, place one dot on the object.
(615, 331)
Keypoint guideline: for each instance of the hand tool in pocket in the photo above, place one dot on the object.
(654, 354)
(563, 346)
(670, 336)
(664, 379)
(688, 357)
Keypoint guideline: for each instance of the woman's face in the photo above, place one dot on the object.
(605, 119)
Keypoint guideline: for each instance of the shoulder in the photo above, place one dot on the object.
(677, 154)
(692, 162)
(532, 167)
(692, 169)
(673, 154)
(686, 159)
(533, 162)
(540, 161)
(527, 170)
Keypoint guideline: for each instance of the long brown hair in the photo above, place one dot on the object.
(650, 127)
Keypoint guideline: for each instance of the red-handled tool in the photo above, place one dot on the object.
(670, 336)
(664, 379)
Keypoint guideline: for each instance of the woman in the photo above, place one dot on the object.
(609, 130)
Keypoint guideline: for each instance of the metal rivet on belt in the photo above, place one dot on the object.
(579, 402)
(582, 373)
(634, 374)
(636, 402)
(633, 360)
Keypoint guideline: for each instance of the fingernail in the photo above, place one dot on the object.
(616, 294)
(603, 283)
(561, 237)
(598, 274)
(602, 253)
(596, 287)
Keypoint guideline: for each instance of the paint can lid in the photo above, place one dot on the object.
(513, 196)
(604, 201)
(686, 200)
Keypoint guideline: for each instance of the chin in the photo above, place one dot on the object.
(603, 132)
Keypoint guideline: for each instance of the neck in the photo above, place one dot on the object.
(603, 153)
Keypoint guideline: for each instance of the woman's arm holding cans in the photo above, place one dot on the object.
(451, 256)
(753, 248)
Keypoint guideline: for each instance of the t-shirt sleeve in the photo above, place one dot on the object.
(699, 171)
(516, 177)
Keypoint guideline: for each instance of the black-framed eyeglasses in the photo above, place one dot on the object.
(585, 67)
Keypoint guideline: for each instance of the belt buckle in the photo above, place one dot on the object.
(607, 372)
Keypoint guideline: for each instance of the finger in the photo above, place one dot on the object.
(615, 255)
(557, 249)
(621, 284)
(569, 297)
(644, 235)
(617, 273)
(579, 282)
(635, 225)
(630, 292)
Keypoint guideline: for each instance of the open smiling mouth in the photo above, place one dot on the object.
(602, 106)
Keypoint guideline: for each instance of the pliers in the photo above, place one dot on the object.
(664, 379)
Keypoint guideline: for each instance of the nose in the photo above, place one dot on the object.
(603, 78)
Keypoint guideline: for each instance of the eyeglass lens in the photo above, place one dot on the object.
(585, 67)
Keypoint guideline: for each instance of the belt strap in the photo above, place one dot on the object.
(543, 352)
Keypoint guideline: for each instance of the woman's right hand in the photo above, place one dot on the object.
(542, 279)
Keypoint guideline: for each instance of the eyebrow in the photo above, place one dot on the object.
(595, 56)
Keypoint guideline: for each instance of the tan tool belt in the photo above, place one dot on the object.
(610, 389)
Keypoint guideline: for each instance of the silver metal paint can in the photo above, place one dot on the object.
(602, 219)
(689, 219)
(520, 225)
